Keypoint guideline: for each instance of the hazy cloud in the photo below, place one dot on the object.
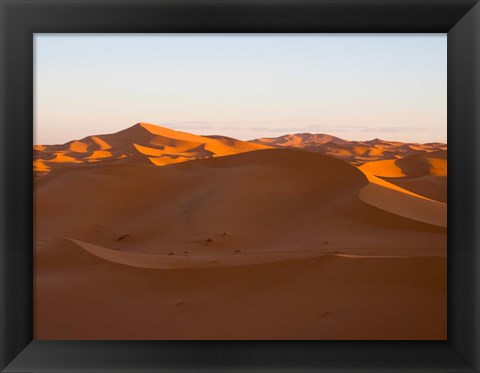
(393, 129)
(249, 132)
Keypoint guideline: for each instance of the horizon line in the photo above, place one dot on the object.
(235, 138)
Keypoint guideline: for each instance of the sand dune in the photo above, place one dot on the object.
(237, 240)
(142, 142)
(423, 174)
(432, 163)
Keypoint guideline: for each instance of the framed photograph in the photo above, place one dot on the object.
(240, 186)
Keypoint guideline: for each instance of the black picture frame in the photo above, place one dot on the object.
(20, 19)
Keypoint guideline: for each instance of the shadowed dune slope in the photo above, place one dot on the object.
(429, 186)
(434, 163)
(277, 199)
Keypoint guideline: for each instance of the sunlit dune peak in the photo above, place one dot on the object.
(151, 126)
(376, 140)
(143, 127)
(156, 129)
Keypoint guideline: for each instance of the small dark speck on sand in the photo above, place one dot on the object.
(123, 237)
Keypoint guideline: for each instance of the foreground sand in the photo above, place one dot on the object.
(79, 296)
(266, 244)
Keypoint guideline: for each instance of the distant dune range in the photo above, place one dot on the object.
(141, 143)
(354, 152)
(270, 239)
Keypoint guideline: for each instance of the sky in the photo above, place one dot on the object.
(354, 86)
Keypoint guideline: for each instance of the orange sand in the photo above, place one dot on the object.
(235, 240)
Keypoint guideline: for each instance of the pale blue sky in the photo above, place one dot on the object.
(355, 86)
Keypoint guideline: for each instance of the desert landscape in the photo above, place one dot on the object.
(153, 233)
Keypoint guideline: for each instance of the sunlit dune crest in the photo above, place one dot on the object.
(77, 147)
(61, 157)
(386, 168)
(102, 144)
(162, 161)
(96, 154)
(148, 151)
